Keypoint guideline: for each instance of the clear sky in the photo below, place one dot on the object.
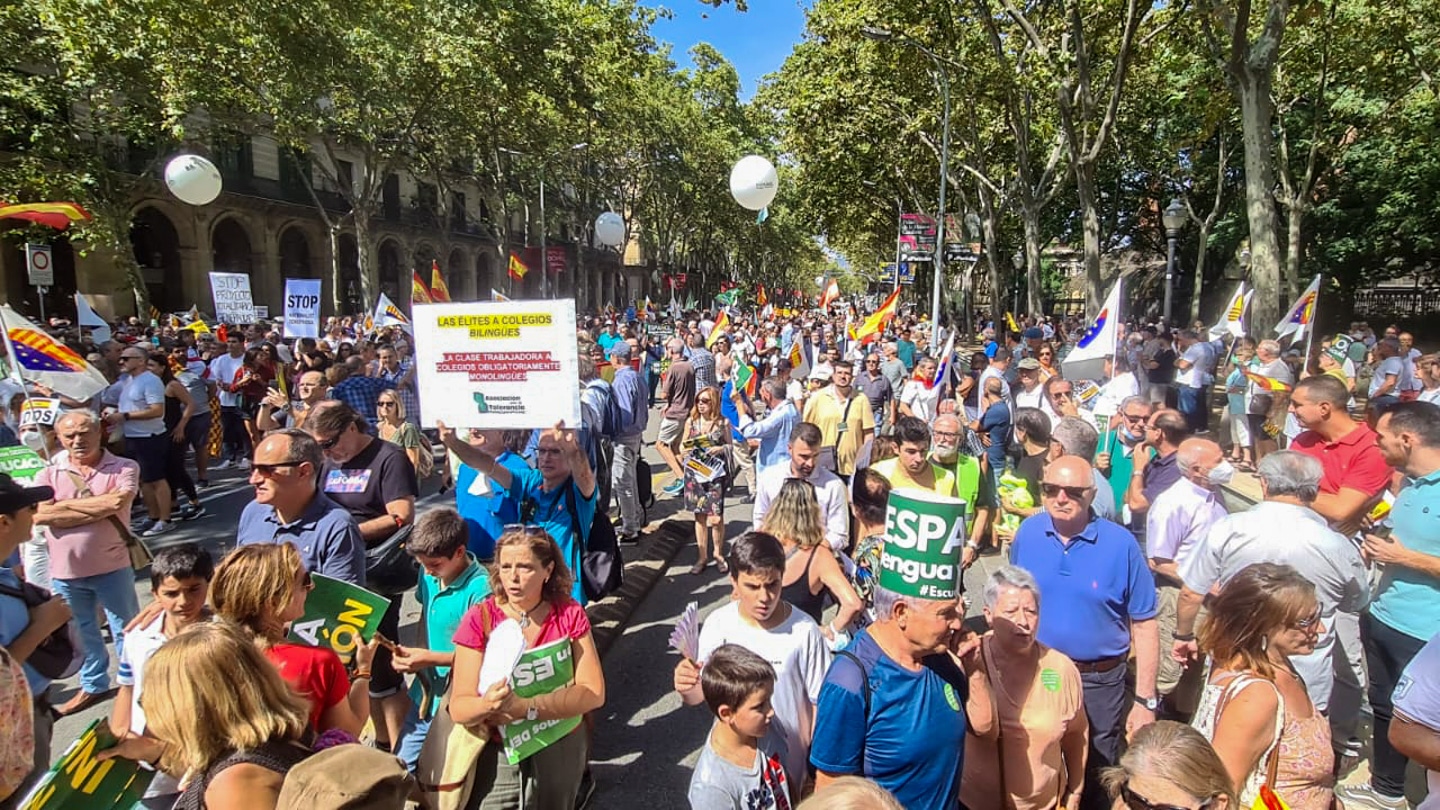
(755, 41)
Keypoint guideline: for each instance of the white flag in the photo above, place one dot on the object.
(1231, 319)
(37, 357)
(1087, 360)
(496, 295)
(387, 314)
(87, 318)
(1300, 314)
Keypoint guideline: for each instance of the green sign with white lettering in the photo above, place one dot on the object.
(924, 540)
(21, 463)
(541, 671)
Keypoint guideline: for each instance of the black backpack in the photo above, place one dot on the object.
(602, 569)
(644, 483)
(60, 655)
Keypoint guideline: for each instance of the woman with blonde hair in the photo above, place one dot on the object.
(1169, 765)
(707, 439)
(851, 793)
(810, 566)
(221, 718)
(262, 588)
(1254, 708)
(391, 424)
(531, 601)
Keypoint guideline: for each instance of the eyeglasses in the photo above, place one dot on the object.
(1308, 622)
(269, 470)
(1135, 801)
(941, 434)
(1133, 418)
(1054, 490)
(528, 531)
(383, 404)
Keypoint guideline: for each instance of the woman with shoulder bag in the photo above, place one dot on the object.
(391, 425)
(1254, 708)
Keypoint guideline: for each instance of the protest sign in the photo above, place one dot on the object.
(510, 364)
(539, 672)
(41, 411)
(233, 303)
(80, 781)
(302, 308)
(339, 616)
(20, 463)
(924, 539)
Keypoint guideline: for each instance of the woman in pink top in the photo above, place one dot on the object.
(1038, 760)
(535, 714)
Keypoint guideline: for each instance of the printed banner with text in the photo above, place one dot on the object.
(339, 615)
(302, 307)
(80, 781)
(509, 364)
(233, 303)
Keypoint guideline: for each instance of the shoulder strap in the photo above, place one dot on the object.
(864, 680)
(571, 508)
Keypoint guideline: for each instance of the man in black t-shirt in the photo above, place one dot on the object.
(375, 481)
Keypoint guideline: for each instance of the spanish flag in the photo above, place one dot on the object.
(418, 293)
(517, 268)
(57, 215)
(760, 298)
(1266, 383)
(831, 294)
(721, 324)
(439, 293)
(875, 323)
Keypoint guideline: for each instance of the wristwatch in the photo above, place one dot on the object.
(1153, 704)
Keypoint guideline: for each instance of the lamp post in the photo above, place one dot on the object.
(544, 252)
(1174, 218)
(880, 34)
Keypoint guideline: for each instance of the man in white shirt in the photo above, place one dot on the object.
(1193, 379)
(141, 417)
(235, 440)
(805, 445)
(999, 365)
(1028, 394)
(1415, 729)
(1284, 529)
(1176, 523)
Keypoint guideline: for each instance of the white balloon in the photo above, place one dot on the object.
(193, 179)
(610, 229)
(753, 182)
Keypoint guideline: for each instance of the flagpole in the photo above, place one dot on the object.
(1314, 319)
(12, 360)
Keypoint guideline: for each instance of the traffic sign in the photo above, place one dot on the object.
(40, 265)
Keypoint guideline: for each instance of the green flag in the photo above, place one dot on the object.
(729, 296)
(339, 615)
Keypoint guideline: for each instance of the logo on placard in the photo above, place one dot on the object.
(481, 406)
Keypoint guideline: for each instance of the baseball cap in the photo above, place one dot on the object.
(821, 373)
(1033, 333)
(1028, 364)
(14, 497)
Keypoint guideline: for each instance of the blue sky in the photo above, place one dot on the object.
(756, 41)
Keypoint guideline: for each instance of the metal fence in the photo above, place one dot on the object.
(1397, 304)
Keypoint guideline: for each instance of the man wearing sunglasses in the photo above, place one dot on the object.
(1099, 595)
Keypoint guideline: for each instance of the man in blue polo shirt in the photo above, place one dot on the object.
(1098, 594)
(289, 508)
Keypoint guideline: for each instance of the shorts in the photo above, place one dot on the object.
(152, 453)
(1240, 429)
(384, 680)
(669, 431)
(197, 430)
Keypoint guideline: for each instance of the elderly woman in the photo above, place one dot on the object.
(1254, 708)
(1038, 760)
(1169, 765)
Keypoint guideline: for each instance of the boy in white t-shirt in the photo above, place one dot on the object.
(180, 580)
(763, 623)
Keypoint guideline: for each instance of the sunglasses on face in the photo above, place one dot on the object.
(384, 404)
(1135, 801)
(269, 470)
(1054, 490)
(330, 442)
(1308, 622)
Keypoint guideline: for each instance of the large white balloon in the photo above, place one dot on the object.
(193, 179)
(610, 229)
(753, 182)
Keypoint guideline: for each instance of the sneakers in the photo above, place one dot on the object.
(190, 511)
(141, 526)
(674, 487)
(629, 538)
(244, 464)
(159, 527)
(202, 484)
(225, 464)
(1364, 797)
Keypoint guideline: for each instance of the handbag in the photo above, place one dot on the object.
(446, 767)
(1267, 798)
(389, 568)
(140, 555)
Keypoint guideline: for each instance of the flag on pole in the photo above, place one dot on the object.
(198, 326)
(942, 371)
(728, 297)
(387, 314)
(1010, 323)
(57, 215)
(1301, 313)
(831, 293)
(496, 295)
(1087, 360)
(721, 324)
(418, 292)
(37, 357)
(222, 334)
(799, 364)
(760, 298)
(439, 293)
(154, 316)
(875, 323)
(87, 318)
(1266, 383)
(1231, 321)
(194, 313)
(517, 268)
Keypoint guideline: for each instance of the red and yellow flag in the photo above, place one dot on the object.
(439, 293)
(760, 298)
(58, 215)
(831, 294)
(418, 292)
(721, 324)
(517, 268)
(1267, 383)
(875, 323)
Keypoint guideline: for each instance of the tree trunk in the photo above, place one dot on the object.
(369, 274)
(1033, 304)
(1200, 256)
(1090, 218)
(1256, 112)
(1294, 249)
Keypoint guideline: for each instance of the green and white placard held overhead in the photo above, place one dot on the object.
(924, 539)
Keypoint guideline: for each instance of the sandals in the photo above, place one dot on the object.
(721, 566)
(699, 567)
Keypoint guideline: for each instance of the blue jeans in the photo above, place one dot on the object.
(115, 592)
(1191, 402)
(412, 736)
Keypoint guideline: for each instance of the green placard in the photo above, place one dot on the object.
(540, 671)
(80, 781)
(924, 539)
(336, 614)
(21, 463)
(743, 373)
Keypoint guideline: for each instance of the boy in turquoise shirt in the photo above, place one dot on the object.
(452, 583)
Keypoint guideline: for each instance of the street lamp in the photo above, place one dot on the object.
(1174, 218)
(880, 34)
(544, 252)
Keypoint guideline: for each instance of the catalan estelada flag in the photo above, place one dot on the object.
(42, 359)
(418, 293)
(517, 268)
(439, 293)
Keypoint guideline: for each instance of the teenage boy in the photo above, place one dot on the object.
(763, 623)
(739, 766)
(180, 581)
(453, 582)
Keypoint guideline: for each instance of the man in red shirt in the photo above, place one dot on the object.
(1355, 470)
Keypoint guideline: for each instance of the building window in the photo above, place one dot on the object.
(458, 215)
(390, 198)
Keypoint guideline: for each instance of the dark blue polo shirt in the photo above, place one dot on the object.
(1090, 590)
(327, 537)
